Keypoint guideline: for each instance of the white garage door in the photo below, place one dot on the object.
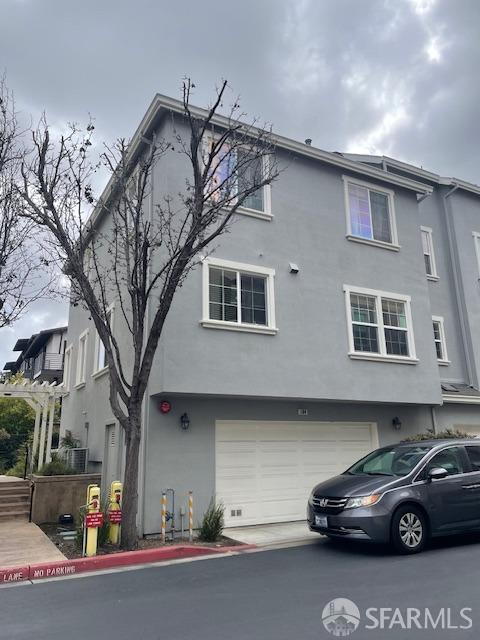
(266, 470)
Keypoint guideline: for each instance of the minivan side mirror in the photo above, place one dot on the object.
(437, 473)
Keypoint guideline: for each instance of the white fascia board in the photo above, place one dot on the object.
(421, 173)
(462, 184)
(172, 104)
(460, 399)
(404, 166)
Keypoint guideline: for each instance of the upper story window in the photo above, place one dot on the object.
(439, 338)
(100, 355)
(370, 214)
(82, 357)
(238, 296)
(236, 170)
(67, 367)
(379, 325)
(428, 254)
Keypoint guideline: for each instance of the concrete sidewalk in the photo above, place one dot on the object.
(265, 535)
(23, 543)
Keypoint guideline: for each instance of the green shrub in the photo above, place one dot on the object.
(441, 435)
(18, 468)
(212, 524)
(57, 467)
(68, 441)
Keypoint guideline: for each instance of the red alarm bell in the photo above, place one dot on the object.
(165, 406)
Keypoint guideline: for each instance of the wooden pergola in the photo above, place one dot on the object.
(41, 397)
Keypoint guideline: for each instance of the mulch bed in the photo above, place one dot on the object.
(70, 549)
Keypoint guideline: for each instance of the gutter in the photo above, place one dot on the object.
(460, 399)
(161, 104)
(458, 286)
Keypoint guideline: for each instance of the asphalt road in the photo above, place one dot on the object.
(278, 594)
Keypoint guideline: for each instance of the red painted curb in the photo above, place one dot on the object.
(121, 559)
(14, 574)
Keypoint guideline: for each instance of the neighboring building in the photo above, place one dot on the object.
(41, 356)
(372, 338)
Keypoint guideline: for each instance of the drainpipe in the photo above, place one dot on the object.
(458, 287)
(434, 419)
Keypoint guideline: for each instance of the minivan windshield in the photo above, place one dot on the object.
(389, 461)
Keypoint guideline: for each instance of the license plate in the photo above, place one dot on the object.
(321, 521)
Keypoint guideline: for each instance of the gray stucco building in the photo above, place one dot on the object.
(340, 313)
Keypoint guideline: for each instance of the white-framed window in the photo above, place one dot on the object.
(238, 296)
(476, 240)
(100, 361)
(428, 253)
(440, 341)
(379, 325)
(67, 367)
(370, 213)
(232, 171)
(82, 358)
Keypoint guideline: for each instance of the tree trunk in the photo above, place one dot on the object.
(129, 539)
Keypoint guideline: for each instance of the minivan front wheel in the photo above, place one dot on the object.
(409, 529)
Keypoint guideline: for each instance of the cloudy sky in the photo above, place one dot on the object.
(398, 77)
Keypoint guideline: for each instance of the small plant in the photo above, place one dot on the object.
(446, 434)
(57, 467)
(68, 441)
(212, 523)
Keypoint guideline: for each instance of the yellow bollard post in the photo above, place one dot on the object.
(93, 519)
(164, 515)
(190, 516)
(115, 512)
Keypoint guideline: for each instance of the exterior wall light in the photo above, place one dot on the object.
(397, 423)
(184, 421)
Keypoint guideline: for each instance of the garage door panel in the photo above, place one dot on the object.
(353, 433)
(266, 470)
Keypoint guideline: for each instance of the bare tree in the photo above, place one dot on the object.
(24, 275)
(135, 251)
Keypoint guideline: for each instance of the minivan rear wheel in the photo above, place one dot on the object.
(409, 529)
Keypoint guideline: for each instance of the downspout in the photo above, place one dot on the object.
(459, 293)
(434, 419)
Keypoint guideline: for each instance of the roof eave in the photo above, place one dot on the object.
(161, 103)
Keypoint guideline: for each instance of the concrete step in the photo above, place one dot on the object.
(14, 491)
(9, 500)
(14, 505)
(14, 515)
(14, 484)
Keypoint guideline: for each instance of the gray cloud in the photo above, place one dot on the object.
(382, 76)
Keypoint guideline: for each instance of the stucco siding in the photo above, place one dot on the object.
(185, 460)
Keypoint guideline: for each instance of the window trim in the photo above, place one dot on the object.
(79, 383)
(383, 356)
(269, 274)
(67, 370)
(393, 245)
(266, 214)
(443, 341)
(434, 275)
(98, 372)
